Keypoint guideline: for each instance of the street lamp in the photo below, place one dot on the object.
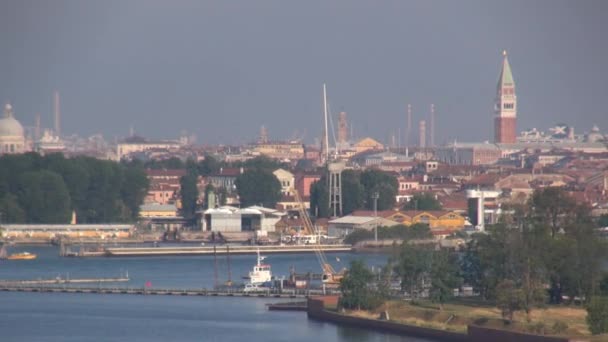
(375, 196)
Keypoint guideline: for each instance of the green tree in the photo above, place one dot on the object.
(10, 210)
(552, 209)
(357, 289)
(382, 183)
(258, 187)
(352, 192)
(319, 198)
(423, 201)
(189, 195)
(209, 165)
(134, 189)
(597, 315)
(509, 298)
(413, 266)
(444, 275)
(44, 197)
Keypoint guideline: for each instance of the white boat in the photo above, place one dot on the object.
(261, 272)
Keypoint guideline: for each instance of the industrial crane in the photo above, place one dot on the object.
(330, 277)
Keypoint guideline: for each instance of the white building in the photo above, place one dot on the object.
(12, 138)
(232, 219)
(287, 180)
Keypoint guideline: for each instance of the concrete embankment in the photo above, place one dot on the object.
(225, 249)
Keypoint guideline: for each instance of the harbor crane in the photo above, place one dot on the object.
(330, 277)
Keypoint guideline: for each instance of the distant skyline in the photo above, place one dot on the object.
(221, 70)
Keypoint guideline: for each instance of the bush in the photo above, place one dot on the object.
(559, 327)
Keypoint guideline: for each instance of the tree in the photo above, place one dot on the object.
(319, 198)
(134, 189)
(509, 299)
(413, 266)
(44, 197)
(445, 277)
(10, 211)
(357, 290)
(552, 208)
(352, 192)
(597, 315)
(189, 195)
(423, 201)
(258, 187)
(382, 183)
(209, 165)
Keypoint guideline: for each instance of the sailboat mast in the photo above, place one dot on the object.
(326, 137)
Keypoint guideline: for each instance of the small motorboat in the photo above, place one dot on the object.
(22, 256)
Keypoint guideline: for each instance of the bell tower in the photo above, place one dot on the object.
(505, 108)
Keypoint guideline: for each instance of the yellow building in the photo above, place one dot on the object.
(436, 219)
(367, 144)
(157, 210)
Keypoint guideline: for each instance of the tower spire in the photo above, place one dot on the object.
(505, 111)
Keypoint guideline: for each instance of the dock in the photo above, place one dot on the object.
(8, 283)
(219, 250)
(160, 292)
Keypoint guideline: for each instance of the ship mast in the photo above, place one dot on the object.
(326, 137)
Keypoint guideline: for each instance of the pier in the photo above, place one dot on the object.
(210, 250)
(161, 292)
(58, 280)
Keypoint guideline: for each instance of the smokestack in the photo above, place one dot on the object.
(37, 128)
(57, 113)
(408, 130)
(422, 134)
(342, 128)
(432, 127)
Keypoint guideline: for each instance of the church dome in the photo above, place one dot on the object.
(9, 126)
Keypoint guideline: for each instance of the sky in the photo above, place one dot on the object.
(221, 69)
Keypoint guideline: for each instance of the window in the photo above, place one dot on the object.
(508, 106)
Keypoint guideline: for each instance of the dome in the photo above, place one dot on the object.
(9, 127)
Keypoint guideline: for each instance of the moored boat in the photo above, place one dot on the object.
(261, 272)
(22, 256)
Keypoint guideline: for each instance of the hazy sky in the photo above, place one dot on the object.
(220, 69)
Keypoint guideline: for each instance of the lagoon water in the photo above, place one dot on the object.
(95, 317)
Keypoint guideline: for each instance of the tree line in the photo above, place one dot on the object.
(545, 252)
(46, 189)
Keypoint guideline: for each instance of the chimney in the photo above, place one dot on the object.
(422, 134)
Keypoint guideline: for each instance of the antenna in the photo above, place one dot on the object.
(432, 127)
(326, 135)
(56, 105)
(408, 130)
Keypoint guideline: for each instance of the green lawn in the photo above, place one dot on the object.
(455, 316)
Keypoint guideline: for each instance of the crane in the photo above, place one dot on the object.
(330, 277)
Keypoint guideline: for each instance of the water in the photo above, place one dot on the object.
(94, 317)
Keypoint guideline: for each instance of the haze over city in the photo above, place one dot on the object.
(222, 69)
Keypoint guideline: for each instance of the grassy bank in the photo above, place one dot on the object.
(552, 320)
